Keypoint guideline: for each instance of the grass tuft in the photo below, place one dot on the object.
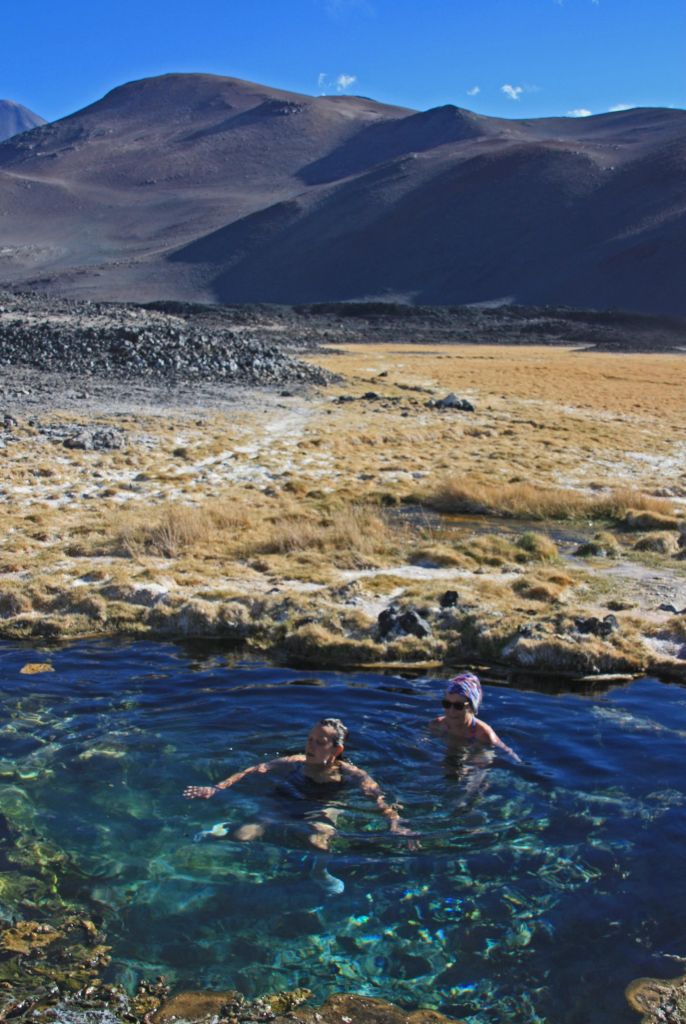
(538, 547)
(649, 519)
(522, 500)
(351, 535)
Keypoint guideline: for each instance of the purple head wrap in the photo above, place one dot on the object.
(469, 686)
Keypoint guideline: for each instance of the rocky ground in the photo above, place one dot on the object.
(247, 344)
(133, 344)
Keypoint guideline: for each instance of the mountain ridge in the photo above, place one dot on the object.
(208, 188)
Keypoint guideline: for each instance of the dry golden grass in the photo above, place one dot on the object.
(538, 590)
(659, 543)
(602, 545)
(174, 530)
(290, 496)
(437, 554)
(352, 532)
(650, 518)
(345, 535)
(530, 501)
(537, 547)
(13, 601)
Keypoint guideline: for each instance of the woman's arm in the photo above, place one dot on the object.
(371, 788)
(205, 792)
(489, 735)
(508, 750)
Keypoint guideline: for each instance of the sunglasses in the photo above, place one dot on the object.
(460, 704)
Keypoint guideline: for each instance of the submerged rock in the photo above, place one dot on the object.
(26, 936)
(660, 1001)
(352, 1009)
(196, 1006)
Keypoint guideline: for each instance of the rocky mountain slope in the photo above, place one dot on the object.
(15, 119)
(197, 187)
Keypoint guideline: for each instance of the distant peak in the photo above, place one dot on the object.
(16, 119)
(448, 123)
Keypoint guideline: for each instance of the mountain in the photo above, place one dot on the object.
(197, 187)
(15, 119)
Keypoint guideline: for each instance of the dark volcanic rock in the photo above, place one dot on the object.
(451, 401)
(388, 620)
(130, 342)
(598, 627)
(393, 621)
(412, 622)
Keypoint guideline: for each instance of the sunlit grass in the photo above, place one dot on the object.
(530, 501)
(214, 508)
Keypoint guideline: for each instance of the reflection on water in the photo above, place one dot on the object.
(539, 890)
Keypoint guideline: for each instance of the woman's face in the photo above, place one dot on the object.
(457, 707)
(322, 747)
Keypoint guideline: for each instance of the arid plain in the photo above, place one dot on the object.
(554, 512)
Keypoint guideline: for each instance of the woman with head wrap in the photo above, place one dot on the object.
(462, 700)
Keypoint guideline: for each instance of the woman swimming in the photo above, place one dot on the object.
(318, 774)
(462, 700)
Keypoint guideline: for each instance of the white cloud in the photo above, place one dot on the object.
(474, 91)
(345, 81)
(340, 83)
(620, 106)
(579, 112)
(513, 91)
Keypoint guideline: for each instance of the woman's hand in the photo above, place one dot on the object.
(200, 792)
(398, 828)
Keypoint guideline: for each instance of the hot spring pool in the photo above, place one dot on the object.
(540, 890)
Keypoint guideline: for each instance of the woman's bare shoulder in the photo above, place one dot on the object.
(437, 724)
(354, 770)
(286, 760)
(485, 733)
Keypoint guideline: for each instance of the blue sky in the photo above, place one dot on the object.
(507, 58)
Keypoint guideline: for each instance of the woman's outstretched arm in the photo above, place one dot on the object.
(371, 788)
(205, 792)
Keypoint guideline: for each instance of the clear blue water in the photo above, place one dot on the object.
(539, 891)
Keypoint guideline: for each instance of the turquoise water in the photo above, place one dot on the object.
(540, 890)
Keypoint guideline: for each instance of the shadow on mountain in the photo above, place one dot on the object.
(384, 141)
